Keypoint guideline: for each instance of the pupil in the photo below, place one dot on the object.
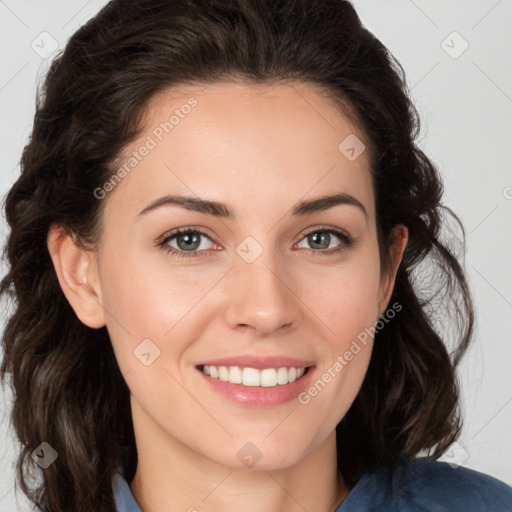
(315, 239)
(188, 237)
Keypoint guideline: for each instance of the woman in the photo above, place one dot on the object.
(215, 247)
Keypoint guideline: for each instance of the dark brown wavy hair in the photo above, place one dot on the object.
(68, 389)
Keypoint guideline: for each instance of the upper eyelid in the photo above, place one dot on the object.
(174, 233)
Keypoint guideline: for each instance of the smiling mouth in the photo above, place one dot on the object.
(253, 377)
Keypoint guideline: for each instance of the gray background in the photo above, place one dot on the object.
(464, 97)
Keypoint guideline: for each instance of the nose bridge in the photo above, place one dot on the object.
(260, 296)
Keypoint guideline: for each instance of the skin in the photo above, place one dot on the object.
(258, 149)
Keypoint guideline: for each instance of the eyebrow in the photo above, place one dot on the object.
(223, 211)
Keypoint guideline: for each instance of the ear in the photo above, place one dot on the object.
(399, 237)
(77, 272)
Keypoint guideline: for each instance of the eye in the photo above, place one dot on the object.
(321, 239)
(188, 243)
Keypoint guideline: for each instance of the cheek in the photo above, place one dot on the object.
(145, 299)
(350, 310)
(347, 303)
(346, 300)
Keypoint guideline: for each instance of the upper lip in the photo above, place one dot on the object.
(258, 362)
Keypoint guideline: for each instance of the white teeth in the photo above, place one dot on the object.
(223, 373)
(235, 375)
(282, 376)
(268, 378)
(252, 377)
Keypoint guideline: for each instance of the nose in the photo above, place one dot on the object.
(260, 296)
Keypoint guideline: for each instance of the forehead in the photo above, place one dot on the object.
(244, 144)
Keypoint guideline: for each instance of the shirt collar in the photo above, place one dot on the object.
(123, 497)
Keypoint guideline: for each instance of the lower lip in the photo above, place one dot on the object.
(258, 395)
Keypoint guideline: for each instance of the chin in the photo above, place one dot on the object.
(260, 455)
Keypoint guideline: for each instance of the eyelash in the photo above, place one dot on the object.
(347, 242)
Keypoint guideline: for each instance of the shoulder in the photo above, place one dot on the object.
(423, 484)
(445, 487)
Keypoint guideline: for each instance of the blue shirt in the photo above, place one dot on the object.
(412, 485)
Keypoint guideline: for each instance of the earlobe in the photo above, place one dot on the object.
(77, 272)
(400, 236)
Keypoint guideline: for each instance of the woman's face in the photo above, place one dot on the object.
(269, 286)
